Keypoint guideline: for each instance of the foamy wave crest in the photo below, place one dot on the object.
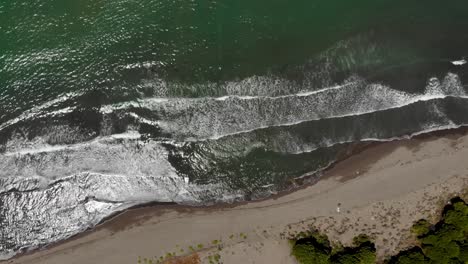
(211, 118)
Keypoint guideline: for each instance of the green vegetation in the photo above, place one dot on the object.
(364, 254)
(446, 242)
(309, 251)
(214, 259)
(443, 243)
(361, 239)
(316, 249)
(421, 227)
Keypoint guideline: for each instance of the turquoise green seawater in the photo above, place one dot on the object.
(51, 47)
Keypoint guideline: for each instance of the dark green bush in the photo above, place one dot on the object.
(312, 251)
(412, 256)
(458, 216)
(464, 251)
(444, 243)
(316, 249)
(364, 254)
(421, 227)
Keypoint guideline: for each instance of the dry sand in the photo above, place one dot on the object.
(380, 191)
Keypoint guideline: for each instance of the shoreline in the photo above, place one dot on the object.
(137, 215)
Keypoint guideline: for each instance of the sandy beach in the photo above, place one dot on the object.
(381, 191)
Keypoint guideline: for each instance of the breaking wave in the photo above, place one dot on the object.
(65, 167)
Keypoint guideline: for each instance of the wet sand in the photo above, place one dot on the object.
(380, 191)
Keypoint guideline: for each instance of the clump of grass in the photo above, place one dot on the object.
(212, 259)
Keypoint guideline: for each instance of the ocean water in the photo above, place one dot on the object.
(106, 105)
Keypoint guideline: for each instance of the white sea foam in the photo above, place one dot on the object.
(40, 110)
(215, 118)
(415, 100)
(44, 148)
(146, 65)
(459, 62)
(144, 120)
(126, 135)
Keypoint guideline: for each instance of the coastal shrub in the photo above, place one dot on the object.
(363, 253)
(337, 248)
(363, 256)
(412, 256)
(421, 227)
(310, 251)
(458, 216)
(361, 239)
(316, 249)
(445, 243)
(463, 251)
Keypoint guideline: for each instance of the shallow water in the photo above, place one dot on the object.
(109, 104)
